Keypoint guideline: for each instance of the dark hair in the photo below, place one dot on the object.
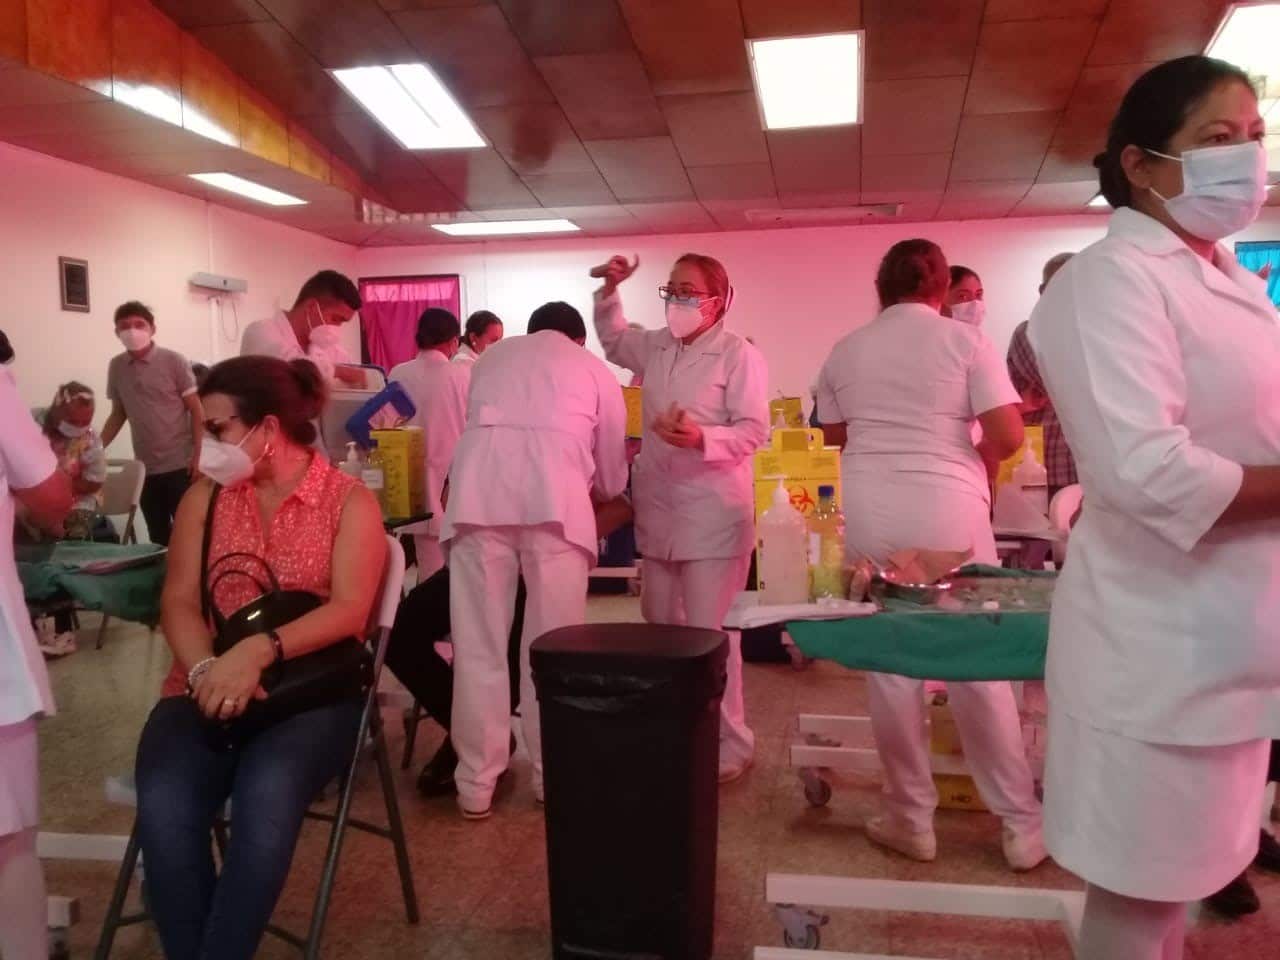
(436, 326)
(201, 372)
(478, 323)
(330, 285)
(294, 393)
(912, 268)
(1153, 111)
(560, 316)
(717, 278)
(61, 398)
(135, 308)
(959, 274)
(6, 348)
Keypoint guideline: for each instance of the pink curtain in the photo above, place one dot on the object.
(391, 311)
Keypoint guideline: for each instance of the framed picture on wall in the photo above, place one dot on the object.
(73, 280)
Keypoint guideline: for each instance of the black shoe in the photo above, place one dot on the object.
(1236, 899)
(436, 778)
(1268, 857)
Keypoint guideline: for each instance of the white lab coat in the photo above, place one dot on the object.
(274, 337)
(1163, 669)
(465, 356)
(693, 504)
(546, 425)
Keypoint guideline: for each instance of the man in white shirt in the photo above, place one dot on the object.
(438, 389)
(545, 430)
(310, 328)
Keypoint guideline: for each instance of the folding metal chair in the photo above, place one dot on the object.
(370, 732)
(121, 497)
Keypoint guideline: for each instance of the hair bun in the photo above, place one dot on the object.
(312, 389)
(1099, 160)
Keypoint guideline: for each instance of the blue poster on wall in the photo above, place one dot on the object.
(1256, 255)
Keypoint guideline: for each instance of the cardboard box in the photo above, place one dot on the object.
(635, 412)
(800, 457)
(404, 453)
(955, 791)
(1036, 436)
(792, 411)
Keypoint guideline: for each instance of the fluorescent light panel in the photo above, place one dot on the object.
(1249, 37)
(247, 188)
(1098, 200)
(412, 104)
(808, 81)
(497, 228)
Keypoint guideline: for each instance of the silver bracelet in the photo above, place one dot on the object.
(198, 671)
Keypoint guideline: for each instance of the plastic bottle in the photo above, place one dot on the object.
(828, 571)
(783, 541)
(352, 466)
(374, 478)
(1033, 480)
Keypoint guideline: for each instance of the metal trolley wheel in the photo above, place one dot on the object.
(801, 928)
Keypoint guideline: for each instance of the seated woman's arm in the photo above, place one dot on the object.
(359, 557)
(181, 618)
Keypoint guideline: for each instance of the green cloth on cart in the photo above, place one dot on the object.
(49, 571)
(929, 644)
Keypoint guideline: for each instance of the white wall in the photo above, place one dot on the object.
(797, 291)
(141, 243)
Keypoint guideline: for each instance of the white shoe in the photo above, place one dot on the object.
(730, 772)
(58, 646)
(888, 831)
(1024, 850)
(472, 812)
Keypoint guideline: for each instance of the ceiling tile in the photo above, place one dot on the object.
(476, 55)
(799, 18)
(20, 86)
(676, 217)
(558, 189)
(743, 181)
(912, 116)
(642, 169)
(1094, 102)
(342, 33)
(264, 128)
(71, 39)
(716, 128)
(356, 234)
(534, 138)
(921, 38)
(424, 195)
(1151, 31)
(690, 47)
(357, 139)
(548, 28)
(1057, 198)
(1069, 161)
(1007, 146)
(907, 173)
(207, 13)
(306, 154)
(146, 52)
(606, 96)
(210, 91)
(479, 178)
(732, 214)
(981, 201)
(1028, 65)
(13, 30)
(817, 161)
(1001, 10)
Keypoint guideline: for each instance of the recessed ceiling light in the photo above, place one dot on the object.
(247, 188)
(1246, 37)
(412, 104)
(497, 228)
(1099, 201)
(808, 81)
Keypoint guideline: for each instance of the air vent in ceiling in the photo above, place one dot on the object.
(821, 215)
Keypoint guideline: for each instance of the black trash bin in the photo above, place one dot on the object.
(630, 754)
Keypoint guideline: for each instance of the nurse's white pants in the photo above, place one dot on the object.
(1122, 928)
(430, 553)
(697, 593)
(986, 717)
(484, 566)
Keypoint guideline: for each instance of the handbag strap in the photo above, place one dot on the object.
(206, 602)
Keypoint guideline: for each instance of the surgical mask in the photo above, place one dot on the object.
(326, 337)
(1223, 188)
(71, 431)
(972, 312)
(684, 316)
(134, 338)
(226, 463)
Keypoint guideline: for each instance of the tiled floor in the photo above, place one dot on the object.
(482, 886)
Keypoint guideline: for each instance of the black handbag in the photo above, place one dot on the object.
(341, 671)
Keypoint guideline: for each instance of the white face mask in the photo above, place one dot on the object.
(1223, 188)
(326, 337)
(972, 312)
(684, 316)
(135, 338)
(226, 463)
(70, 430)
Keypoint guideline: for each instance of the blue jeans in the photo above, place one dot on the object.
(184, 777)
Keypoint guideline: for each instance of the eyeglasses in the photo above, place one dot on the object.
(215, 426)
(668, 292)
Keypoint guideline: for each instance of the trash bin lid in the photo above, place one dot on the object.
(618, 650)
